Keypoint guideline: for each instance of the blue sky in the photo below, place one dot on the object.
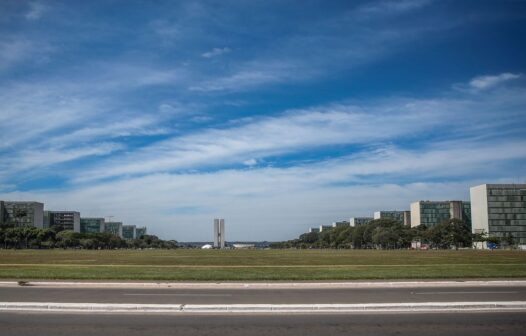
(276, 115)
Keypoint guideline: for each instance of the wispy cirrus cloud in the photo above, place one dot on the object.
(36, 10)
(487, 82)
(216, 52)
(310, 129)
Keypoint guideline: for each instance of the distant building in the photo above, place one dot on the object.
(128, 231)
(314, 230)
(431, 213)
(500, 210)
(407, 218)
(3, 213)
(219, 233)
(67, 220)
(340, 224)
(207, 247)
(23, 213)
(140, 232)
(325, 227)
(403, 217)
(91, 225)
(115, 228)
(357, 221)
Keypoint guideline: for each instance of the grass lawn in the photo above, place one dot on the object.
(212, 265)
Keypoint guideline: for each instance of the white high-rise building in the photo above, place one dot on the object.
(499, 210)
(219, 233)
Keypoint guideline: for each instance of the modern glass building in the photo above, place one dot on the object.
(340, 224)
(115, 228)
(431, 213)
(325, 227)
(140, 231)
(3, 213)
(128, 232)
(403, 217)
(357, 221)
(23, 214)
(91, 225)
(500, 210)
(67, 220)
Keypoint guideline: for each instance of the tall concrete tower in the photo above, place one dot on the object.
(219, 233)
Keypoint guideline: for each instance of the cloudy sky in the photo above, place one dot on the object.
(276, 115)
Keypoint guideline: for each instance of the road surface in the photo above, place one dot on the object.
(262, 296)
(407, 324)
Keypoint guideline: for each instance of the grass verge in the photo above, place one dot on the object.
(259, 265)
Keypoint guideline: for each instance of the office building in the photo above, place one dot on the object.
(431, 213)
(115, 228)
(403, 217)
(128, 232)
(325, 227)
(3, 213)
(67, 220)
(500, 210)
(140, 232)
(219, 233)
(91, 225)
(340, 224)
(23, 214)
(357, 221)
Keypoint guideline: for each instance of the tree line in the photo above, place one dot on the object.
(25, 237)
(392, 234)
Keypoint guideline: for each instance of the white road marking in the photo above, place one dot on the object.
(471, 292)
(171, 294)
(90, 308)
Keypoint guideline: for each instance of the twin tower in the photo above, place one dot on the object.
(219, 233)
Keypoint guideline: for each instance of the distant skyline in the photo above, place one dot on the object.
(275, 115)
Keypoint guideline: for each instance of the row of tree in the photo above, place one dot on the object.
(391, 234)
(31, 237)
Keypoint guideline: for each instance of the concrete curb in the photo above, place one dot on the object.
(262, 308)
(271, 285)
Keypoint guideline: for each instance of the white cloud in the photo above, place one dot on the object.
(34, 161)
(250, 162)
(36, 9)
(216, 52)
(384, 8)
(280, 203)
(487, 82)
(297, 131)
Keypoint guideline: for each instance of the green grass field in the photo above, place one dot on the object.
(212, 265)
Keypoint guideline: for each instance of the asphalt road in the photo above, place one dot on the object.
(260, 296)
(465, 324)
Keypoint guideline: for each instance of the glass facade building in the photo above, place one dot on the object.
(403, 217)
(23, 214)
(340, 224)
(357, 221)
(91, 225)
(431, 213)
(115, 228)
(139, 232)
(67, 220)
(500, 210)
(128, 231)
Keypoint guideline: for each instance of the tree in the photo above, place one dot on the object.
(453, 232)
(508, 239)
(18, 214)
(67, 238)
